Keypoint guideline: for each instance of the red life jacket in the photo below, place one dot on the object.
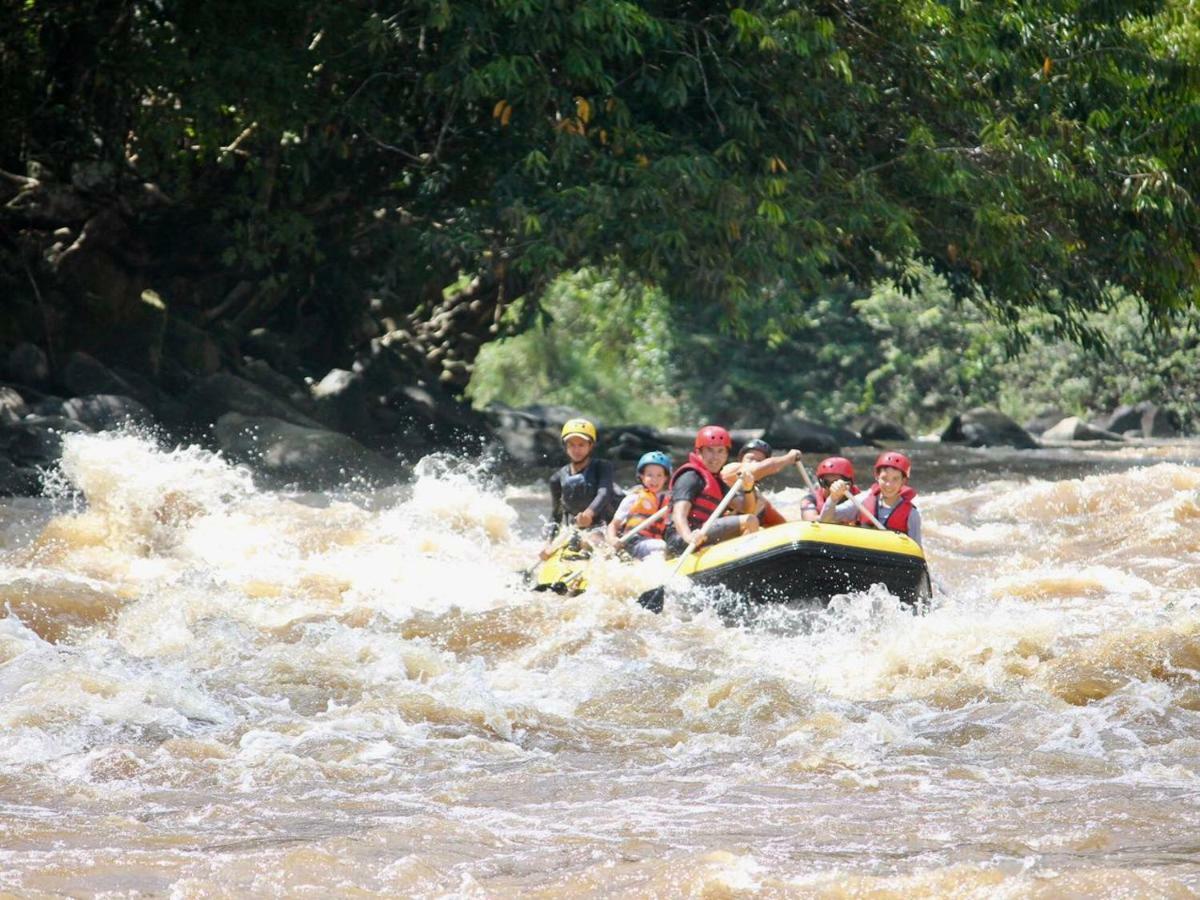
(897, 519)
(770, 516)
(708, 499)
(646, 504)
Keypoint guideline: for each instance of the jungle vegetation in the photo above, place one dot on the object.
(888, 173)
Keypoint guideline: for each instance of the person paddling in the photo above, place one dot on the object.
(640, 504)
(829, 470)
(696, 491)
(890, 499)
(755, 457)
(582, 492)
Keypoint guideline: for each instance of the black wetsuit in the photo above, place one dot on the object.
(573, 492)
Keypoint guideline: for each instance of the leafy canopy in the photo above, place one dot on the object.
(739, 156)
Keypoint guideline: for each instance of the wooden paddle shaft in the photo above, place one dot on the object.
(853, 497)
(717, 513)
(646, 523)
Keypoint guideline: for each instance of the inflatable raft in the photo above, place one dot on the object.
(793, 562)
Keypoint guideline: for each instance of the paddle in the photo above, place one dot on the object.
(853, 496)
(863, 511)
(568, 532)
(934, 580)
(804, 474)
(653, 599)
(646, 523)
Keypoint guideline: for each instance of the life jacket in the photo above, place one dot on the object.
(708, 499)
(579, 489)
(897, 519)
(646, 504)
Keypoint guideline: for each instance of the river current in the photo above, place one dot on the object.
(210, 689)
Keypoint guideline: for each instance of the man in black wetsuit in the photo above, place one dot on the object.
(582, 492)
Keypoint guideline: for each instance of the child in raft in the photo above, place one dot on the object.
(829, 470)
(890, 499)
(640, 504)
(582, 492)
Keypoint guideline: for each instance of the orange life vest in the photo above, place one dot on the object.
(646, 504)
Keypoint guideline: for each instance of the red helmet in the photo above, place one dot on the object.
(713, 436)
(836, 465)
(893, 460)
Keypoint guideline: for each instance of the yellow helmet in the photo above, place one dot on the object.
(581, 427)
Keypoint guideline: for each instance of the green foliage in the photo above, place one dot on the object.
(335, 152)
(916, 357)
(601, 347)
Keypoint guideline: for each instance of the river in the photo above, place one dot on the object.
(214, 690)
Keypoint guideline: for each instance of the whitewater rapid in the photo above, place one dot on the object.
(213, 689)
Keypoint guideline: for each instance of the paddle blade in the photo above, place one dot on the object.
(653, 599)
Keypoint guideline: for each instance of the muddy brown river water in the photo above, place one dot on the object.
(214, 690)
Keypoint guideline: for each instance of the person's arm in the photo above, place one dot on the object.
(809, 511)
(680, 510)
(772, 465)
(914, 525)
(839, 513)
(683, 493)
(620, 517)
(729, 473)
(749, 496)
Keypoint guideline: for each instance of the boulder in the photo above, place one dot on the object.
(1158, 422)
(286, 453)
(426, 418)
(629, 442)
(1146, 418)
(788, 431)
(37, 440)
(526, 437)
(100, 412)
(292, 391)
(1122, 419)
(683, 439)
(18, 481)
(27, 364)
(47, 406)
(12, 405)
(192, 349)
(1074, 428)
(876, 430)
(212, 397)
(341, 401)
(84, 375)
(1044, 420)
(164, 407)
(552, 415)
(986, 427)
(277, 350)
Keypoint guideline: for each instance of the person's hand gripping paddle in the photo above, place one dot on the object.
(653, 599)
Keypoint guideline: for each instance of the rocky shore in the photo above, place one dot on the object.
(372, 421)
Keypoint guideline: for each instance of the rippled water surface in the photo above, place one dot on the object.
(209, 689)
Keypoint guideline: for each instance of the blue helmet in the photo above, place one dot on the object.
(654, 458)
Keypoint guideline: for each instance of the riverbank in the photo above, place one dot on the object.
(368, 425)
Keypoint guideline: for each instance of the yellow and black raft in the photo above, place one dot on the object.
(793, 562)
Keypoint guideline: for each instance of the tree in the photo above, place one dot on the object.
(317, 159)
